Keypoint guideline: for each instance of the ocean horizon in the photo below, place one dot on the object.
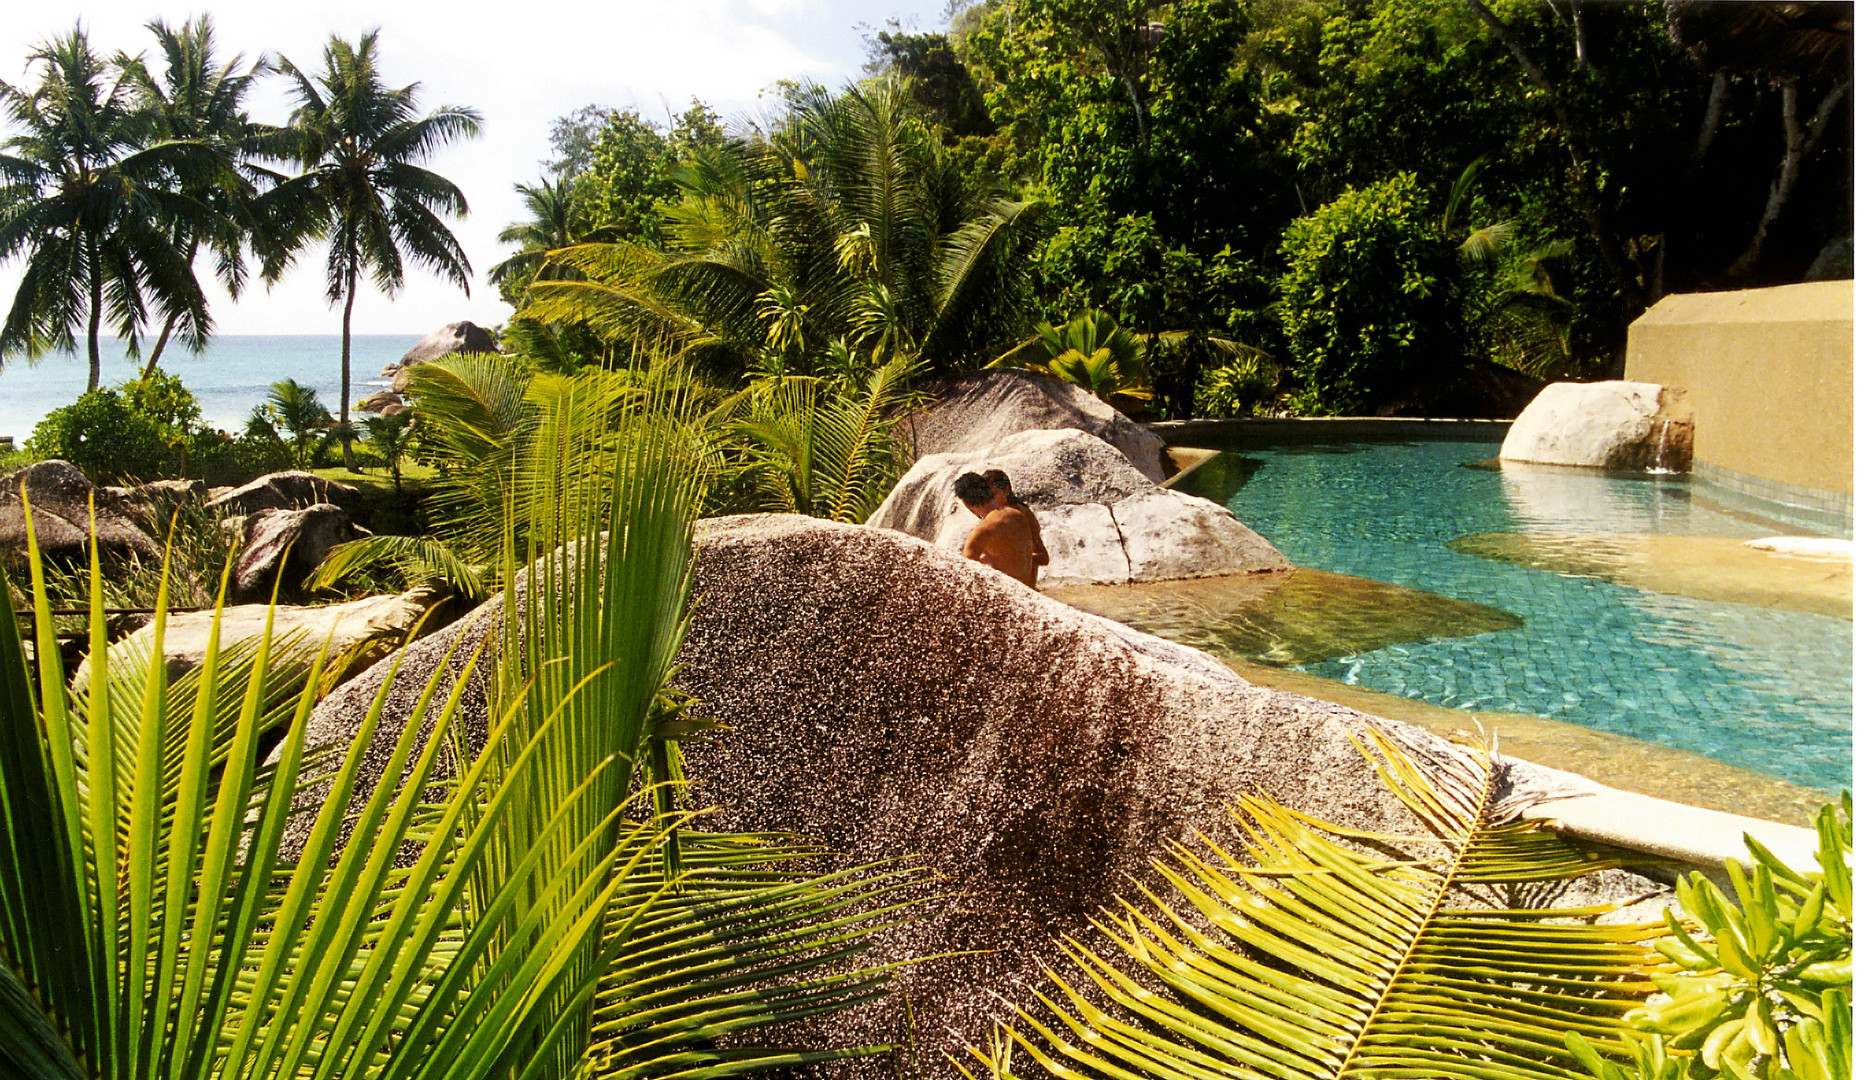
(233, 374)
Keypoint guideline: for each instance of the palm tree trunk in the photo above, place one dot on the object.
(167, 328)
(348, 315)
(96, 318)
(154, 354)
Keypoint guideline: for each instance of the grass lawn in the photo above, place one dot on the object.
(378, 483)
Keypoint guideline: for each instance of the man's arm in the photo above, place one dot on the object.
(978, 543)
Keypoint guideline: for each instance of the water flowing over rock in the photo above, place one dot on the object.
(1608, 425)
(1103, 521)
(291, 490)
(61, 497)
(458, 337)
(292, 543)
(972, 412)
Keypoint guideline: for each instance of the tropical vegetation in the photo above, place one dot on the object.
(543, 921)
(1321, 951)
(363, 191)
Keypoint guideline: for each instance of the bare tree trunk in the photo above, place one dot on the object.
(1711, 120)
(154, 354)
(348, 314)
(96, 317)
(1624, 273)
(1582, 59)
(167, 328)
(1800, 143)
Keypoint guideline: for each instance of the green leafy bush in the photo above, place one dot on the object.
(1236, 389)
(1764, 991)
(103, 434)
(1368, 297)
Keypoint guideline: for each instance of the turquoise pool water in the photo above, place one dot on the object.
(1753, 686)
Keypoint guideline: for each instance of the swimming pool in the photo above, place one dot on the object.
(1762, 687)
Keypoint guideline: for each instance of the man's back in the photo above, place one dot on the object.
(1007, 540)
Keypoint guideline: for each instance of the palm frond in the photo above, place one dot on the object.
(1323, 952)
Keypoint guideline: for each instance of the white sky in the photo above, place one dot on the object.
(520, 64)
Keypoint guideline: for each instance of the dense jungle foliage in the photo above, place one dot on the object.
(1364, 193)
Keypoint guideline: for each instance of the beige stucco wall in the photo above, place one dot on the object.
(1767, 372)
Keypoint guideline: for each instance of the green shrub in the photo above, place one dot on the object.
(1239, 388)
(105, 436)
(1369, 299)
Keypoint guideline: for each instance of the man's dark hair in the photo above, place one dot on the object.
(999, 479)
(973, 489)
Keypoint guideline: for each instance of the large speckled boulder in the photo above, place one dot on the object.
(61, 497)
(1103, 521)
(972, 412)
(1607, 425)
(458, 337)
(291, 543)
(894, 700)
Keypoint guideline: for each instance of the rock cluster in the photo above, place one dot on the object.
(975, 411)
(61, 498)
(894, 700)
(1607, 425)
(1104, 522)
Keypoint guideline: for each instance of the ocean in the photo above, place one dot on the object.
(232, 375)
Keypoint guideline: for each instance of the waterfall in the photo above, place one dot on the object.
(1657, 460)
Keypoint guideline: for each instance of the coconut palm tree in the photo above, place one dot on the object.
(362, 189)
(199, 98)
(847, 223)
(555, 221)
(96, 197)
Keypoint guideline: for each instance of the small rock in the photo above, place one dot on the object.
(376, 402)
(61, 497)
(290, 542)
(973, 412)
(291, 490)
(381, 622)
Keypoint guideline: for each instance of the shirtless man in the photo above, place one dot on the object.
(1001, 483)
(1004, 537)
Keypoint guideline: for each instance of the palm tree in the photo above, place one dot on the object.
(391, 438)
(198, 98)
(362, 189)
(555, 221)
(96, 197)
(297, 409)
(846, 223)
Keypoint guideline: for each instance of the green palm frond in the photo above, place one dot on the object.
(1320, 951)
(417, 558)
(819, 447)
(509, 915)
